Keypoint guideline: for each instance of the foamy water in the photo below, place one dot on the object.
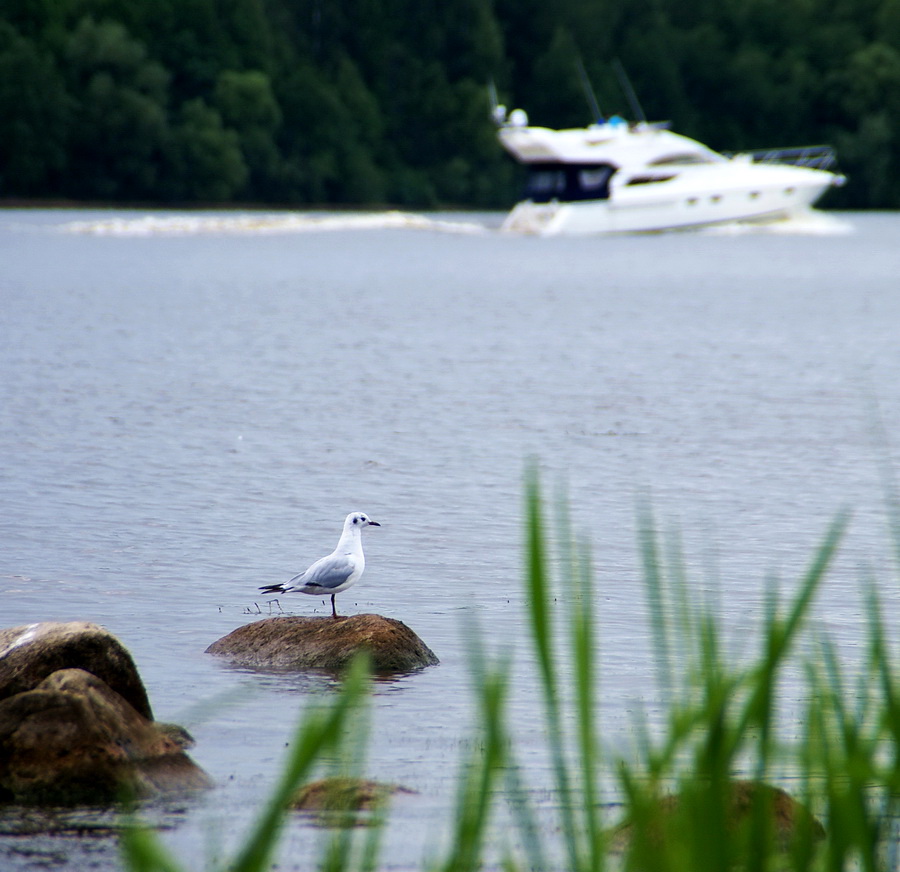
(265, 223)
(810, 223)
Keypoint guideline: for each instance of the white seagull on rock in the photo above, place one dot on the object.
(336, 572)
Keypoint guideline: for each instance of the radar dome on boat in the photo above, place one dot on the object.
(518, 118)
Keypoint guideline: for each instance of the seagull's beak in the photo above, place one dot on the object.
(374, 524)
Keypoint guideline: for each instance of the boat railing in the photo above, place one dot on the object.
(817, 157)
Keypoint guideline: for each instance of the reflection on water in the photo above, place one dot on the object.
(79, 838)
(90, 822)
(312, 681)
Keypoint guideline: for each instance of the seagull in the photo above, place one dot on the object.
(337, 571)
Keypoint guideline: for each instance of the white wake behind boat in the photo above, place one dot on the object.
(617, 176)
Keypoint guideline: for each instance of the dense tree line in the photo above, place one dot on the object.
(385, 101)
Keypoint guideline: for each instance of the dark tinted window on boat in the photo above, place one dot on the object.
(681, 160)
(593, 182)
(568, 182)
(546, 184)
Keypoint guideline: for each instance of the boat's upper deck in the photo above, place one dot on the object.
(617, 143)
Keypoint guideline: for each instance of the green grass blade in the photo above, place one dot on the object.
(780, 633)
(583, 655)
(320, 731)
(143, 851)
(654, 584)
(541, 624)
(476, 791)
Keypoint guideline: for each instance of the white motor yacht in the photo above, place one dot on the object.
(616, 176)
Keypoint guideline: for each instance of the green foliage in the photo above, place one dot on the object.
(119, 125)
(35, 113)
(208, 155)
(372, 101)
(248, 107)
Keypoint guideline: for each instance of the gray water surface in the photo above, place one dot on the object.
(188, 412)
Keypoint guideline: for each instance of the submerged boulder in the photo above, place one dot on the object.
(28, 654)
(788, 819)
(344, 794)
(330, 644)
(73, 735)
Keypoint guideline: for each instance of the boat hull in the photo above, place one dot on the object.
(718, 194)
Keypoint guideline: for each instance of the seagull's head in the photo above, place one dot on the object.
(359, 520)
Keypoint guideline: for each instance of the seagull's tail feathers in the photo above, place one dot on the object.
(273, 588)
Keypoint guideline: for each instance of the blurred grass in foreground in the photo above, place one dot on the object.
(701, 795)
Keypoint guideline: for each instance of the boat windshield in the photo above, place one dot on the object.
(568, 182)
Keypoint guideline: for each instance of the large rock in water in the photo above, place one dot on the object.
(297, 642)
(67, 736)
(28, 654)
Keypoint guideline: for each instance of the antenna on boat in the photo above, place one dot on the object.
(498, 110)
(625, 85)
(589, 92)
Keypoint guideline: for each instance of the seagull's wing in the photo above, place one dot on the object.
(325, 574)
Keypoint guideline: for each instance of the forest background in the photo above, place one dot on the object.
(365, 102)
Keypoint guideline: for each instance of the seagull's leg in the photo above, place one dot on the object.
(334, 613)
